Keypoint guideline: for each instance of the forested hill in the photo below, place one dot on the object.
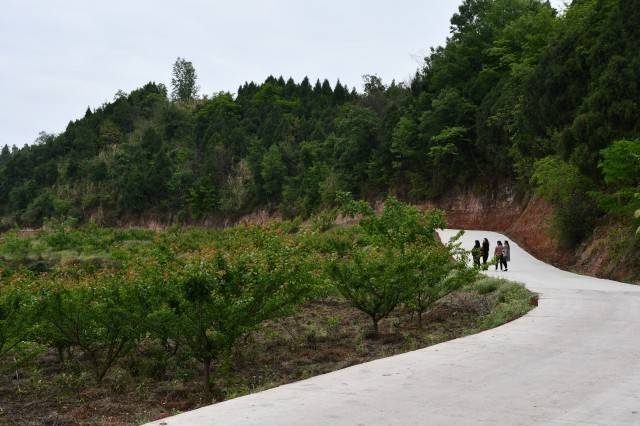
(519, 94)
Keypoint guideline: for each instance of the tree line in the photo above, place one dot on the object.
(519, 95)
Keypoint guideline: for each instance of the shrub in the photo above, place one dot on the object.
(96, 313)
(324, 220)
(401, 261)
(434, 274)
(373, 280)
(565, 187)
(400, 224)
(486, 285)
(17, 315)
(223, 298)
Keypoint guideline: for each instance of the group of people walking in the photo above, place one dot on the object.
(501, 254)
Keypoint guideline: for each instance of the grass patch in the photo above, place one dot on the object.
(511, 300)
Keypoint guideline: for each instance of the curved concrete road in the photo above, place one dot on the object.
(573, 360)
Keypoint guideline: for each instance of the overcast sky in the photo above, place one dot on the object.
(59, 56)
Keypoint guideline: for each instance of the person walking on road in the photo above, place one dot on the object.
(498, 254)
(485, 251)
(476, 253)
(506, 254)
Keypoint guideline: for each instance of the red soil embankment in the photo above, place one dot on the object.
(607, 253)
(525, 220)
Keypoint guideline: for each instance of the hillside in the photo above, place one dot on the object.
(519, 96)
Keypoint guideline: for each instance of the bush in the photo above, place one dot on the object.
(565, 187)
(373, 280)
(324, 220)
(17, 315)
(401, 261)
(400, 224)
(219, 299)
(434, 274)
(486, 285)
(97, 313)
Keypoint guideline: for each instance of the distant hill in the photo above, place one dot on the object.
(518, 95)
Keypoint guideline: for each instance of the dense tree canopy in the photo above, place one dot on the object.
(517, 88)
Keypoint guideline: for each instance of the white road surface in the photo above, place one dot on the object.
(574, 360)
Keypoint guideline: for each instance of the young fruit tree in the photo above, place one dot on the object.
(373, 280)
(96, 313)
(222, 298)
(16, 316)
(436, 272)
(400, 250)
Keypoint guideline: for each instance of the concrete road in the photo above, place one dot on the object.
(575, 360)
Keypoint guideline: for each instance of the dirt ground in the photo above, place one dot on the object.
(322, 337)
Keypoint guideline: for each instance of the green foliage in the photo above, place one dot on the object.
(515, 84)
(221, 299)
(17, 315)
(399, 261)
(143, 300)
(98, 314)
(513, 301)
(401, 224)
(620, 163)
(565, 187)
(557, 180)
(184, 81)
(373, 280)
(437, 270)
(620, 166)
(352, 208)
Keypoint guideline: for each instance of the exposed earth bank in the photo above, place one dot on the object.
(607, 253)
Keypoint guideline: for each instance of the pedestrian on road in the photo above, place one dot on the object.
(498, 254)
(485, 251)
(476, 253)
(506, 253)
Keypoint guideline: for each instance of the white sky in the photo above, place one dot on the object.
(59, 56)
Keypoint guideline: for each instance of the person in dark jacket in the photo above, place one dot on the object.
(476, 253)
(485, 251)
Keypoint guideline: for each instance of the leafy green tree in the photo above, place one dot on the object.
(383, 274)
(273, 171)
(184, 81)
(435, 273)
(95, 313)
(17, 316)
(620, 165)
(400, 224)
(373, 280)
(563, 185)
(226, 297)
(352, 145)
